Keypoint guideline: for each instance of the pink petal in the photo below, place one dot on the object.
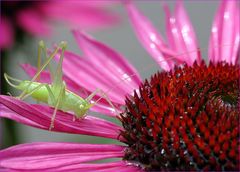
(224, 40)
(150, 38)
(33, 21)
(188, 33)
(110, 65)
(80, 15)
(6, 32)
(102, 106)
(1, 133)
(37, 156)
(181, 34)
(40, 116)
(94, 3)
(214, 51)
(118, 166)
(7, 170)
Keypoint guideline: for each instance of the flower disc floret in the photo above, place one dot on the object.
(185, 119)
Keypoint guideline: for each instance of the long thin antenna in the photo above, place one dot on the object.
(7, 77)
(160, 61)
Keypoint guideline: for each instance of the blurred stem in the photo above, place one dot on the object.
(9, 133)
(9, 130)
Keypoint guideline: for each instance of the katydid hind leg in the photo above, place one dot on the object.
(41, 47)
(52, 99)
(41, 69)
(57, 105)
(58, 76)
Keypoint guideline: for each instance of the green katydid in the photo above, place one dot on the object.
(55, 94)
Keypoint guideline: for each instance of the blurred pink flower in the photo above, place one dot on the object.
(6, 33)
(35, 17)
(109, 67)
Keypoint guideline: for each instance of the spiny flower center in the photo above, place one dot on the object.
(185, 119)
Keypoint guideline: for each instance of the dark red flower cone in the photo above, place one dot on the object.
(185, 119)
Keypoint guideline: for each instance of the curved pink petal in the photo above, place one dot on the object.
(110, 64)
(40, 116)
(118, 166)
(102, 106)
(94, 3)
(33, 21)
(6, 32)
(80, 15)
(188, 33)
(150, 38)
(43, 156)
(180, 33)
(214, 51)
(225, 33)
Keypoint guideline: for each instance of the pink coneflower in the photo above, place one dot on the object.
(184, 118)
(34, 17)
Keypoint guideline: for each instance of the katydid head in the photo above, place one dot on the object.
(83, 109)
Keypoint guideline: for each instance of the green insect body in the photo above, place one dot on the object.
(55, 94)
(72, 102)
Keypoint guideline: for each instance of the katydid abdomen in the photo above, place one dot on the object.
(41, 94)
